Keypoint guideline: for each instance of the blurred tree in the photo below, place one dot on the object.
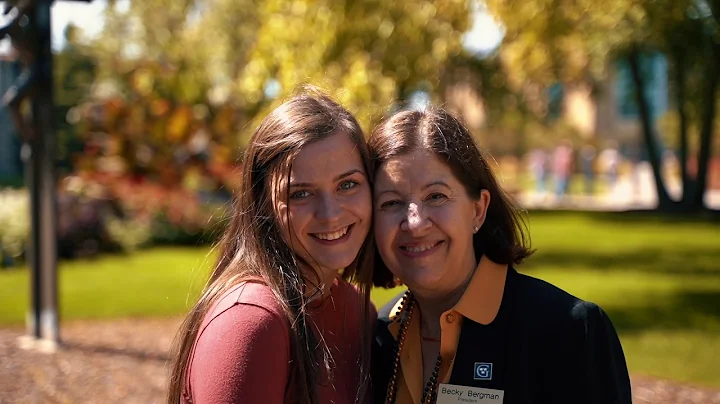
(74, 70)
(180, 81)
(574, 41)
(252, 52)
(157, 44)
(74, 73)
(369, 53)
(516, 117)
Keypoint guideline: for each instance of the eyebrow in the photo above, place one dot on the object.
(336, 179)
(426, 186)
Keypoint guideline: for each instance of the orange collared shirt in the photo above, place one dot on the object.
(480, 303)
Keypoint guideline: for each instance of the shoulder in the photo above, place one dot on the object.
(548, 305)
(243, 295)
(246, 321)
(539, 297)
(243, 339)
(587, 312)
(574, 343)
(244, 311)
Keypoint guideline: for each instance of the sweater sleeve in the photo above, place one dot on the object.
(241, 355)
(606, 372)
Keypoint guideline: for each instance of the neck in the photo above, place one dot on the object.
(318, 283)
(433, 303)
(432, 307)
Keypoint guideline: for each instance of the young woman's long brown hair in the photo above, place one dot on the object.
(252, 246)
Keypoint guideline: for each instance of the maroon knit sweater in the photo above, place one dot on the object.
(242, 351)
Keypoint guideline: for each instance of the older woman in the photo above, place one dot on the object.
(471, 328)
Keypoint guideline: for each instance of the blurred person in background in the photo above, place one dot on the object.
(610, 161)
(278, 321)
(562, 163)
(538, 164)
(587, 166)
(470, 325)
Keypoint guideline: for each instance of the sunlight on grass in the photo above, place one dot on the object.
(688, 356)
(160, 282)
(382, 296)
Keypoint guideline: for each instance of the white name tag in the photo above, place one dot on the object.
(453, 394)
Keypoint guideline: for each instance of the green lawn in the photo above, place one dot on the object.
(657, 277)
(159, 282)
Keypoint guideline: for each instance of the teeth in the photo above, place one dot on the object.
(332, 236)
(419, 248)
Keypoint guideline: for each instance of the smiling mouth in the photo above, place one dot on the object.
(420, 249)
(333, 236)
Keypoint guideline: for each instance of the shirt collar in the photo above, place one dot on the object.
(482, 298)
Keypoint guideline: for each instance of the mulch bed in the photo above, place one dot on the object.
(125, 361)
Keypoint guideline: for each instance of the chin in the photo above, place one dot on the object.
(425, 283)
(333, 266)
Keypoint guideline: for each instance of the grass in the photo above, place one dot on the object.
(657, 277)
(158, 282)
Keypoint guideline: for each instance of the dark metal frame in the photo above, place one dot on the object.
(30, 33)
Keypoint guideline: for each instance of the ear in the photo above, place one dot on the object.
(481, 207)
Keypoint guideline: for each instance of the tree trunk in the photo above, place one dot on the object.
(651, 142)
(707, 124)
(681, 67)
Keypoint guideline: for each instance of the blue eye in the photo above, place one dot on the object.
(299, 194)
(348, 185)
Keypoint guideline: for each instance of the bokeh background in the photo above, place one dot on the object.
(601, 119)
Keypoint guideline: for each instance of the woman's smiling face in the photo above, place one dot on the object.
(327, 215)
(424, 222)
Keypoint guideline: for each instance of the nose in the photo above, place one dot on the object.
(416, 222)
(329, 208)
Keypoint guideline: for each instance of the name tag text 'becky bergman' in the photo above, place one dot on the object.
(469, 394)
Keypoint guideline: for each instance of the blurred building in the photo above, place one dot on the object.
(608, 111)
(10, 163)
(612, 112)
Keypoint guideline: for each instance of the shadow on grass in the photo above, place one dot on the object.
(685, 261)
(112, 351)
(685, 311)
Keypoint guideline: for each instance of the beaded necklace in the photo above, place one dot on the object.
(404, 316)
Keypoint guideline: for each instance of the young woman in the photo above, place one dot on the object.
(278, 321)
(472, 329)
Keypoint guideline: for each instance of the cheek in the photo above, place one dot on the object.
(456, 225)
(362, 205)
(298, 220)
